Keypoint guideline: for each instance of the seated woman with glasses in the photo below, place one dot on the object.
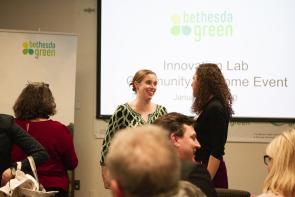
(280, 160)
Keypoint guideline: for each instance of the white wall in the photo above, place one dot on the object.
(244, 160)
(69, 16)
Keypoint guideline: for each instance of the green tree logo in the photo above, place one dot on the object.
(177, 28)
(27, 50)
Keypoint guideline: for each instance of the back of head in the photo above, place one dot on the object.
(143, 161)
(173, 122)
(281, 176)
(187, 189)
(35, 101)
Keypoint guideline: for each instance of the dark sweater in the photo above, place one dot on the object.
(57, 141)
(211, 128)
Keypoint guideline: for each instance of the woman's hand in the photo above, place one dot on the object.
(6, 176)
(105, 177)
(213, 165)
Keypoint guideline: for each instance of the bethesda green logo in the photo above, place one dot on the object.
(202, 25)
(39, 48)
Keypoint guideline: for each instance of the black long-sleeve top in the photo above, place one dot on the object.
(212, 128)
(11, 133)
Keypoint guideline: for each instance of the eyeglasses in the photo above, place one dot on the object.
(266, 159)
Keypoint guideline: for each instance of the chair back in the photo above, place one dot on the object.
(71, 173)
(231, 193)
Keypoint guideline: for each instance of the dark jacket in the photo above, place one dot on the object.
(199, 176)
(11, 133)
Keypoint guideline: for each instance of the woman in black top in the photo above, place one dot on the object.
(213, 105)
(11, 133)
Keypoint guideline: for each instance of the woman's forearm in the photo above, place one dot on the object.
(213, 165)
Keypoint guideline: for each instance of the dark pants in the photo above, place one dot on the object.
(220, 180)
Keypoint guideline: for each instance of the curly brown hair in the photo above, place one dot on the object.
(210, 82)
(35, 101)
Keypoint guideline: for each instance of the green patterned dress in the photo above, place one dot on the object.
(124, 117)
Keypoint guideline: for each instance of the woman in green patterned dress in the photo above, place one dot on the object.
(138, 112)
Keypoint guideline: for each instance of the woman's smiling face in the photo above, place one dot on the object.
(147, 87)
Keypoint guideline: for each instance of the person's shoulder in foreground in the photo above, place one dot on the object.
(5, 121)
(198, 175)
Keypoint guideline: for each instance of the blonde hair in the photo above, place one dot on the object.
(143, 161)
(281, 177)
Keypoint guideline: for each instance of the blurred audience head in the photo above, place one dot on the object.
(143, 163)
(187, 189)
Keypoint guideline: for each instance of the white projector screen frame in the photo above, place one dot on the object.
(252, 42)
